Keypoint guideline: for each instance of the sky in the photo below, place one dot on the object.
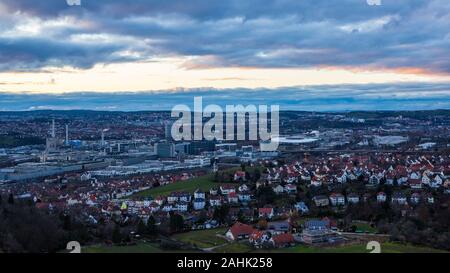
(302, 54)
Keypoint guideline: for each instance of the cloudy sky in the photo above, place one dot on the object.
(310, 49)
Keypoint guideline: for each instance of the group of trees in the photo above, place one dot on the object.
(426, 225)
(148, 228)
(23, 228)
(423, 224)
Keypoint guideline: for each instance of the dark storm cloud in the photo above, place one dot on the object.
(282, 33)
(27, 54)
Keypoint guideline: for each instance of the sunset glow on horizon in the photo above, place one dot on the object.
(170, 75)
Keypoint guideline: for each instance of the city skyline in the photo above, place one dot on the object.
(328, 98)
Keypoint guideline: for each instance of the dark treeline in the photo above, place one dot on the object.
(26, 229)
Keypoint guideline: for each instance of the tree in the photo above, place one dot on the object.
(11, 199)
(395, 182)
(220, 213)
(265, 195)
(67, 222)
(151, 225)
(141, 228)
(256, 175)
(116, 235)
(262, 224)
(176, 222)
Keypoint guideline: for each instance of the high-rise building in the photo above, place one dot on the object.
(67, 134)
(182, 148)
(197, 147)
(168, 130)
(52, 142)
(165, 149)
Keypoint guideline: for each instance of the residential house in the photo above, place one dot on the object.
(279, 227)
(425, 179)
(184, 197)
(182, 206)
(290, 189)
(159, 200)
(239, 231)
(259, 238)
(399, 198)
(283, 240)
(415, 198)
(239, 176)
(278, 189)
(227, 189)
(167, 208)
(199, 203)
(318, 231)
(215, 201)
(243, 187)
(316, 181)
(321, 200)
(341, 177)
(172, 198)
(244, 196)
(316, 225)
(437, 181)
(337, 199)
(381, 197)
(366, 197)
(301, 207)
(374, 179)
(429, 198)
(232, 198)
(266, 212)
(353, 198)
(414, 175)
(199, 194)
(154, 207)
(415, 183)
(390, 178)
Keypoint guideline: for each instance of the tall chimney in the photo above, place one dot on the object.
(53, 128)
(67, 134)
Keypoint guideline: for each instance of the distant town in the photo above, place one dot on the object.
(117, 182)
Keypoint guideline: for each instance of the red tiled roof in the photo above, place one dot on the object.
(239, 229)
(265, 210)
(256, 235)
(282, 239)
(232, 195)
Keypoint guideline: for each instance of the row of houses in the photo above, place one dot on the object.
(390, 169)
(338, 199)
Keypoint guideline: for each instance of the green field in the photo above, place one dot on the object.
(364, 227)
(388, 247)
(202, 238)
(204, 183)
(234, 248)
(138, 248)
